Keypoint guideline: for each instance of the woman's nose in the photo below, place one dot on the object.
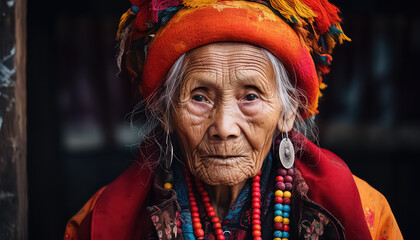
(225, 125)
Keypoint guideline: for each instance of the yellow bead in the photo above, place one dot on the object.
(284, 239)
(167, 185)
(277, 239)
(287, 194)
(278, 219)
(279, 193)
(286, 221)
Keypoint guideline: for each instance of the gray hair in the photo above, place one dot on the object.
(156, 109)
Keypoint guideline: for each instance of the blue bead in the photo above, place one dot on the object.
(278, 213)
(286, 208)
(278, 234)
(285, 234)
(279, 206)
(134, 8)
(286, 215)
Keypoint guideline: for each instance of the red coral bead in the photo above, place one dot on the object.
(255, 199)
(256, 216)
(218, 231)
(286, 228)
(256, 205)
(256, 221)
(199, 232)
(256, 233)
(196, 219)
(211, 214)
(279, 179)
(257, 238)
(256, 227)
(279, 226)
(215, 219)
(278, 199)
(286, 201)
(217, 225)
(220, 237)
(256, 185)
(256, 179)
(195, 215)
(256, 211)
(197, 225)
(194, 209)
(256, 194)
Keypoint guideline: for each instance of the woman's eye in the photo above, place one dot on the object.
(198, 98)
(251, 97)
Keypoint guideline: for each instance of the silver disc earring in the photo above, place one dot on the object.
(286, 152)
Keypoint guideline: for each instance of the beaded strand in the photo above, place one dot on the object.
(282, 201)
(256, 207)
(282, 208)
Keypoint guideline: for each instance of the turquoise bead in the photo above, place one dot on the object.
(286, 215)
(278, 213)
(286, 208)
(285, 234)
(278, 234)
(279, 206)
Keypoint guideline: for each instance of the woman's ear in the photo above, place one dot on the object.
(286, 121)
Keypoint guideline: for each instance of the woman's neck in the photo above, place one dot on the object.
(222, 197)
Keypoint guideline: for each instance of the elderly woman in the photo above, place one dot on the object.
(232, 88)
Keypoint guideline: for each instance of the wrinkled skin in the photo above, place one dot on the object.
(226, 115)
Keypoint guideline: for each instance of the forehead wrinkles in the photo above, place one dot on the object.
(226, 60)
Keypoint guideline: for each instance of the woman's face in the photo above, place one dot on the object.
(226, 112)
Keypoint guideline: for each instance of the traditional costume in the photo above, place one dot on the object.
(318, 199)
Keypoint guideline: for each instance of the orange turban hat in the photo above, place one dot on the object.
(301, 33)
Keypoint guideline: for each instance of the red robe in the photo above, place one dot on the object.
(118, 210)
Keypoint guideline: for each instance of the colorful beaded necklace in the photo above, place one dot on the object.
(282, 208)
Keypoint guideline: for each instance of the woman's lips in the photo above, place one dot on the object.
(224, 157)
(223, 161)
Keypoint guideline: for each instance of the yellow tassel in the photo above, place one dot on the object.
(125, 19)
(302, 10)
(322, 86)
(198, 3)
(342, 36)
(285, 9)
(294, 11)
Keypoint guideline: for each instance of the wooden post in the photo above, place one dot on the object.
(13, 180)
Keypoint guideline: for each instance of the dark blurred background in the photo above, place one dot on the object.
(79, 138)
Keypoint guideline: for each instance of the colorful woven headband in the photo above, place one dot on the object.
(301, 33)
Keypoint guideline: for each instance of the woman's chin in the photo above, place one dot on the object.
(226, 176)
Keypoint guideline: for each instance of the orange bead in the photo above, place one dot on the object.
(278, 219)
